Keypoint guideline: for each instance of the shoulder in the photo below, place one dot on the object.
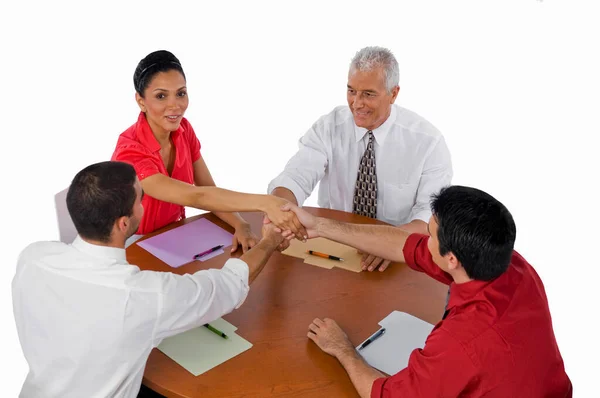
(334, 120)
(187, 130)
(37, 250)
(414, 123)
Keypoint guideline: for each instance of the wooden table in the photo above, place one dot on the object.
(282, 302)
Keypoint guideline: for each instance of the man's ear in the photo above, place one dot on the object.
(452, 261)
(394, 93)
(121, 224)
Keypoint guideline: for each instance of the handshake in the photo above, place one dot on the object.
(285, 221)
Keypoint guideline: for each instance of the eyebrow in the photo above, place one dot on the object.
(366, 91)
(164, 89)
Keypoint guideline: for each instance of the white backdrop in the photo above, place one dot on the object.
(512, 84)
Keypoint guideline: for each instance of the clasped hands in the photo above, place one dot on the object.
(294, 222)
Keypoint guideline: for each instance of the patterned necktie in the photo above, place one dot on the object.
(365, 189)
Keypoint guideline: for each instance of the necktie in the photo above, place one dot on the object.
(365, 189)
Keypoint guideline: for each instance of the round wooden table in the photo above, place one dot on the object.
(282, 302)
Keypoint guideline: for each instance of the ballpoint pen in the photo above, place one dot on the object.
(215, 331)
(371, 339)
(204, 253)
(329, 256)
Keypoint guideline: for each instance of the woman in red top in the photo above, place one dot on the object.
(165, 152)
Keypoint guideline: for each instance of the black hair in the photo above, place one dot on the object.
(477, 228)
(98, 196)
(153, 63)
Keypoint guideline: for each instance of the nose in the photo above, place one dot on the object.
(172, 103)
(357, 103)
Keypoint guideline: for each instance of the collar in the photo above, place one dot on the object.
(99, 251)
(461, 293)
(380, 132)
(146, 136)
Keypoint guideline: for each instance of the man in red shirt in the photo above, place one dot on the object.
(496, 337)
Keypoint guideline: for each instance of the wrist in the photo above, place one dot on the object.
(269, 243)
(321, 227)
(346, 354)
(239, 224)
(264, 202)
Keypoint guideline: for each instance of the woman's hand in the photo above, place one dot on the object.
(244, 237)
(285, 220)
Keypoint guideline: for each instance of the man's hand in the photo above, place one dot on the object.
(309, 221)
(272, 235)
(329, 337)
(370, 262)
(243, 237)
(283, 219)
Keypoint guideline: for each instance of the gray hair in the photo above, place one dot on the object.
(372, 57)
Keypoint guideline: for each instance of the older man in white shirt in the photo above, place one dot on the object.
(87, 320)
(371, 157)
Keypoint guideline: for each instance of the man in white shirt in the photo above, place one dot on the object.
(87, 320)
(411, 159)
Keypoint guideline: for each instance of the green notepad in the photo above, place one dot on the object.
(199, 350)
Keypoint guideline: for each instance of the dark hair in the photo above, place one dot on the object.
(153, 63)
(477, 228)
(98, 196)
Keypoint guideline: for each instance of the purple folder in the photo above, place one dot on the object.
(178, 246)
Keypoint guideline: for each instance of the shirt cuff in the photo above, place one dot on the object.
(410, 250)
(240, 269)
(287, 182)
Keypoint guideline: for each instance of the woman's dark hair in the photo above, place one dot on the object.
(477, 228)
(153, 63)
(98, 196)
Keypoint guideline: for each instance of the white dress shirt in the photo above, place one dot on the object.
(87, 320)
(411, 157)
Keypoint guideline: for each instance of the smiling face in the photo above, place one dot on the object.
(165, 101)
(368, 98)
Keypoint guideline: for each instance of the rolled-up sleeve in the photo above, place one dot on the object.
(437, 173)
(307, 167)
(188, 301)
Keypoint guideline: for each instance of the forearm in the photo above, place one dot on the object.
(361, 374)
(285, 194)
(258, 256)
(223, 200)
(233, 219)
(379, 240)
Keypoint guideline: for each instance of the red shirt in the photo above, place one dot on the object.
(138, 147)
(495, 341)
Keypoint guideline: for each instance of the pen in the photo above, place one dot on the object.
(329, 256)
(215, 331)
(204, 253)
(371, 339)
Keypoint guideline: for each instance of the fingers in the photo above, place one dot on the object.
(372, 262)
(366, 260)
(245, 245)
(288, 235)
(301, 234)
(283, 245)
(384, 265)
(313, 328)
(234, 244)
